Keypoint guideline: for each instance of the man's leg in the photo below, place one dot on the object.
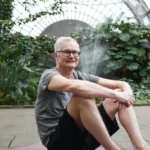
(111, 125)
(128, 120)
(67, 135)
(85, 113)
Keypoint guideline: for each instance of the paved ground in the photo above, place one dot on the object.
(18, 128)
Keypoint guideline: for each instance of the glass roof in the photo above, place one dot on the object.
(147, 3)
(92, 12)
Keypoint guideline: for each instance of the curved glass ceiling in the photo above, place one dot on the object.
(92, 12)
(147, 3)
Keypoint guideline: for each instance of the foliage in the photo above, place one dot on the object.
(141, 90)
(40, 48)
(5, 15)
(21, 66)
(6, 9)
(23, 58)
(128, 49)
(55, 9)
(126, 56)
(13, 70)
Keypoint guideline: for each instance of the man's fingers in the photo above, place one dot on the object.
(128, 103)
(132, 99)
(122, 106)
(114, 101)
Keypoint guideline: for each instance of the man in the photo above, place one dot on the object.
(66, 114)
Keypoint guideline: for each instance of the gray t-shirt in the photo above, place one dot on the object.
(50, 105)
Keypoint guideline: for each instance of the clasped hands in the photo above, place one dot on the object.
(125, 98)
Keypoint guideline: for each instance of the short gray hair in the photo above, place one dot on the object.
(60, 40)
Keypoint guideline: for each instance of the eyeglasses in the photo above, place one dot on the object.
(68, 52)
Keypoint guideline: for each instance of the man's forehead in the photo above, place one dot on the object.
(70, 43)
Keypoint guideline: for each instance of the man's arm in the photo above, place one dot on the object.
(87, 89)
(115, 84)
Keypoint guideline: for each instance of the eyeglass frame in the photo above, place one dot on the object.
(70, 52)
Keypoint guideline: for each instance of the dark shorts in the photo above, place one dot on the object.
(68, 136)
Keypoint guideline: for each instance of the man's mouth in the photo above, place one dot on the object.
(70, 61)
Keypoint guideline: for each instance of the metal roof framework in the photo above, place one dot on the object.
(92, 12)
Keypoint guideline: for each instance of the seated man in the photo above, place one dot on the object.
(66, 114)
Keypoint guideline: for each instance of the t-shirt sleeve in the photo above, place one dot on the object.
(88, 77)
(46, 77)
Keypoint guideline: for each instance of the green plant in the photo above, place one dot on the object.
(126, 56)
(6, 8)
(40, 48)
(14, 70)
(141, 90)
(22, 59)
(127, 49)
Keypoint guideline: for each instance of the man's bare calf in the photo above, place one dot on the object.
(86, 115)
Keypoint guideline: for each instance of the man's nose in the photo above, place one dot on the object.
(71, 54)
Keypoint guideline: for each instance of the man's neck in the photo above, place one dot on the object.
(66, 72)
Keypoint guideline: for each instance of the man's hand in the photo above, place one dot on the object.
(124, 97)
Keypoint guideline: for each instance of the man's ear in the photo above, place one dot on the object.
(54, 55)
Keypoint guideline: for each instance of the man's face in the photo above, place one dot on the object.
(64, 57)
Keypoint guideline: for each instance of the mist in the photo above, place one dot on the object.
(91, 57)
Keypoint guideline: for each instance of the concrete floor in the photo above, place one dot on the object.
(18, 128)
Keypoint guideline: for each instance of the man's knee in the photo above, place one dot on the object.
(111, 106)
(76, 104)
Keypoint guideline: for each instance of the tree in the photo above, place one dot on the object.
(6, 9)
